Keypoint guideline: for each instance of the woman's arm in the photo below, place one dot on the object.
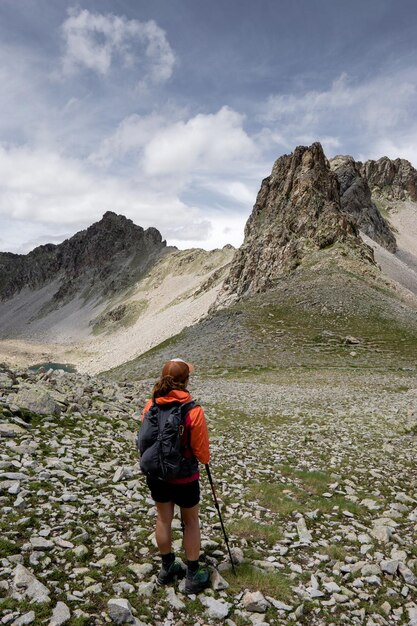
(199, 440)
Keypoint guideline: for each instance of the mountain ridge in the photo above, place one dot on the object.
(310, 225)
(94, 249)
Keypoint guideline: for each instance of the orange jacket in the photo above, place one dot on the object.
(195, 421)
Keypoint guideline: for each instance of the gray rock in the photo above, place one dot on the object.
(108, 561)
(39, 543)
(120, 611)
(217, 581)
(356, 201)
(370, 569)
(412, 615)
(27, 618)
(382, 533)
(26, 584)
(280, 606)
(303, 532)
(141, 570)
(237, 555)
(37, 400)
(173, 599)
(255, 602)
(215, 609)
(389, 567)
(60, 615)
(121, 473)
(145, 589)
(331, 587)
(406, 573)
(11, 430)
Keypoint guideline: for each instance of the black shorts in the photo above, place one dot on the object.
(184, 495)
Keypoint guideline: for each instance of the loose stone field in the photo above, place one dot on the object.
(315, 471)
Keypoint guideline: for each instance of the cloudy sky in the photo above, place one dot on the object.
(172, 111)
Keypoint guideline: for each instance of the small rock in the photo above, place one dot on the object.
(389, 567)
(120, 611)
(60, 615)
(237, 555)
(216, 609)
(141, 570)
(39, 543)
(24, 582)
(108, 561)
(280, 606)
(218, 583)
(145, 589)
(372, 505)
(255, 602)
(331, 587)
(406, 573)
(382, 533)
(27, 618)
(303, 532)
(173, 599)
(11, 430)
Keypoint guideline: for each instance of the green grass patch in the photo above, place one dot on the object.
(302, 494)
(275, 584)
(254, 530)
(7, 548)
(121, 316)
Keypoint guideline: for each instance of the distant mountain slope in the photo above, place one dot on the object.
(103, 296)
(325, 277)
(304, 289)
(103, 259)
(331, 312)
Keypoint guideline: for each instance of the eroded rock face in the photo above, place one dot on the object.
(391, 179)
(111, 253)
(297, 210)
(356, 201)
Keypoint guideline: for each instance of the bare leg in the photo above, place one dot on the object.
(191, 532)
(163, 532)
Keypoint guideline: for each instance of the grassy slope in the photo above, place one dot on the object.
(303, 322)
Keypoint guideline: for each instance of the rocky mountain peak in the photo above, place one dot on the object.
(107, 256)
(356, 201)
(297, 210)
(391, 179)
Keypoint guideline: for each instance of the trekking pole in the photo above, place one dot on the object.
(216, 504)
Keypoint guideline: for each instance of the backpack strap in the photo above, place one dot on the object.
(185, 408)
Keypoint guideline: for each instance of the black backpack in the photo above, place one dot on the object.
(159, 440)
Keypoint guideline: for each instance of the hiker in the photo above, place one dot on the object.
(183, 489)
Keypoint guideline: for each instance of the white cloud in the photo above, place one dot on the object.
(43, 187)
(214, 142)
(169, 144)
(400, 147)
(95, 41)
(347, 114)
(130, 137)
(42, 192)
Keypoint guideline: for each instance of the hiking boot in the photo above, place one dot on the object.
(196, 581)
(174, 572)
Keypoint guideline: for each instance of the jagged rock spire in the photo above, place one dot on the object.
(297, 210)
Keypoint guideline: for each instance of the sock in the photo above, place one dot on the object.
(192, 566)
(168, 559)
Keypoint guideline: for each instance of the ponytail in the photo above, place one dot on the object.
(165, 384)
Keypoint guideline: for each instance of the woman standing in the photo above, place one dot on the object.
(183, 490)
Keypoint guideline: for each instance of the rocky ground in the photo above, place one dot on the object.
(315, 471)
